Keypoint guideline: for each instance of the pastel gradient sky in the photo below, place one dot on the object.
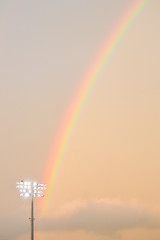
(108, 185)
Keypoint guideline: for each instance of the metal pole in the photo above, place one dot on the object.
(32, 220)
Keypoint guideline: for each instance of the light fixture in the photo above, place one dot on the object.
(31, 189)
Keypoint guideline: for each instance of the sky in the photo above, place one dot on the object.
(107, 187)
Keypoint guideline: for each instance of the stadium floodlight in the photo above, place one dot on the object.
(31, 189)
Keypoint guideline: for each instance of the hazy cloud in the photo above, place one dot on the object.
(101, 217)
(14, 224)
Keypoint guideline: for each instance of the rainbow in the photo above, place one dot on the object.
(76, 106)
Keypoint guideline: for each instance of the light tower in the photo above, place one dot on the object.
(31, 189)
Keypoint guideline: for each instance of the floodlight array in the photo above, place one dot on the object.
(31, 189)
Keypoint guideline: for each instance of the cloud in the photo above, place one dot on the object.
(14, 224)
(101, 217)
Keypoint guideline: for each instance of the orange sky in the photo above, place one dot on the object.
(114, 152)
